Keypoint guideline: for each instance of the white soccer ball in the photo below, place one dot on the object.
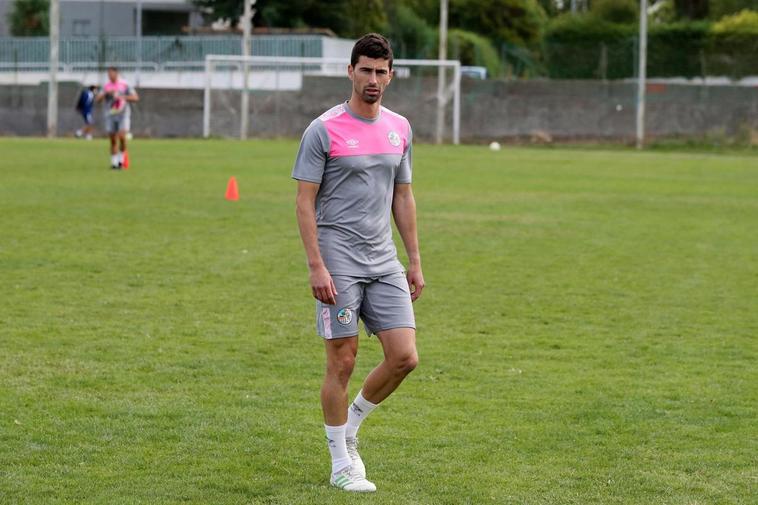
(619, 107)
(494, 146)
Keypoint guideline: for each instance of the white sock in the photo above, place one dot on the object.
(114, 160)
(335, 436)
(356, 413)
(121, 156)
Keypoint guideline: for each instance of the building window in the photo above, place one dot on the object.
(81, 28)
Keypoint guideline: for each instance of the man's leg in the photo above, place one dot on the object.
(114, 150)
(386, 304)
(400, 359)
(87, 130)
(122, 145)
(340, 360)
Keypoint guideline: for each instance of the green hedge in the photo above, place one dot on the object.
(733, 45)
(574, 44)
(677, 49)
(473, 49)
(585, 47)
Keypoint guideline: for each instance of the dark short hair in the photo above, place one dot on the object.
(112, 67)
(372, 45)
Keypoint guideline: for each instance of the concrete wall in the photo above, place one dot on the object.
(491, 110)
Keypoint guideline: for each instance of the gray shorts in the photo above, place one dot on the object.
(382, 303)
(117, 123)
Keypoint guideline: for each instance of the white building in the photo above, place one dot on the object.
(114, 18)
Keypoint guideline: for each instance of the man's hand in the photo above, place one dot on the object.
(322, 286)
(415, 282)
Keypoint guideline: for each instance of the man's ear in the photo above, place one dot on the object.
(350, 71)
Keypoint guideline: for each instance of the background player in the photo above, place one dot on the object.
(353, 168)
(117, 95)
(84, 106)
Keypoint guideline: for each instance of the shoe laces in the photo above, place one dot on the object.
(352, 447)
(351, 473)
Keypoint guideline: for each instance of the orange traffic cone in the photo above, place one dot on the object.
(232, 193)
(125, 163)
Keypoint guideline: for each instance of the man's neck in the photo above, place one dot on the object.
(363, 109)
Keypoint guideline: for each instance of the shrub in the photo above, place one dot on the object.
(473, 49)
(616, 11)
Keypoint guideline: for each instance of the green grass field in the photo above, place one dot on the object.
(588, 334)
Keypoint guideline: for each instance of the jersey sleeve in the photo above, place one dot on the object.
(314, 150)
(405, 169)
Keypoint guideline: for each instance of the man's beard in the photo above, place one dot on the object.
(368, 98)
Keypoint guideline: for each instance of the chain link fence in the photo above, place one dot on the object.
(565, 92)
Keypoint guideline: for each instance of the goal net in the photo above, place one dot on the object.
(284, 94)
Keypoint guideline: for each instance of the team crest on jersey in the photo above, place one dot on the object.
(394, 138)
(352, 143)
(345, 316)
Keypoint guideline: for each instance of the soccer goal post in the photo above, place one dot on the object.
(286, 93)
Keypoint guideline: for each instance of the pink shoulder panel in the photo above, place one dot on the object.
(352, 137)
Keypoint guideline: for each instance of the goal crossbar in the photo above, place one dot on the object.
(454, 91)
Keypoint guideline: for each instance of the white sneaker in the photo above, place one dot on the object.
(348, 479)
(355, 458)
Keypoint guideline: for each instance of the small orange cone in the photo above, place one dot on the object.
(232, 193)
(125, 163)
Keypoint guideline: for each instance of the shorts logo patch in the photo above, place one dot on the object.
(345, 316)
(394, 138)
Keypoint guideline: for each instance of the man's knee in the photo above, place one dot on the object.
(405, 363)
(341, 367)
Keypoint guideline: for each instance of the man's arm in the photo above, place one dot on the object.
(132, 96)
(404, 210)
(321, 282)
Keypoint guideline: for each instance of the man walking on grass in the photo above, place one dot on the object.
(117, 95)
(354, 171)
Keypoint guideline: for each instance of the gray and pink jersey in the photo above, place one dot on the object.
(117, 91)
(357, 162)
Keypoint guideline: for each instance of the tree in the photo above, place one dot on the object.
(717, 9)
(347, 18)
(691, 9)
(411, 35)
(518, 22)
(616, 11)
(29, 18)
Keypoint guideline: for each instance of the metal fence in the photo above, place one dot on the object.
(158, 50)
